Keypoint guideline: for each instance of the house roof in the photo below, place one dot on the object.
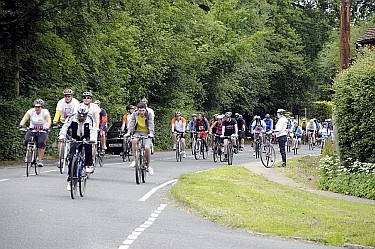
(368, 36)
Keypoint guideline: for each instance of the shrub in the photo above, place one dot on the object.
(321, 110)
(354, 109)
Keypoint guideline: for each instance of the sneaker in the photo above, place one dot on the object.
(174, 147)
(40, 164)
(132, 164)
(254, 154)
(150, 171)
(89, 169)
(183, 154)
(283, 165)
(212, 152)
(241, 149)
(68, 187)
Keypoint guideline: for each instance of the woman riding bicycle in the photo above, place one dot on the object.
(40, 119)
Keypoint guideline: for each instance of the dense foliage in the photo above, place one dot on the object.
(199, 55)
(355, 110)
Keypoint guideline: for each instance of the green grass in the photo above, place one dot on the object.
(303, 170)
(238, 198)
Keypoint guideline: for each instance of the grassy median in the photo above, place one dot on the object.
(236, 197)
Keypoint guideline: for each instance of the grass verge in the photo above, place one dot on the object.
(238, 198)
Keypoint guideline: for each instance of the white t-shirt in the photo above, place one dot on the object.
(38, 121)
(93, 108)
(281, 125)
(66, 109)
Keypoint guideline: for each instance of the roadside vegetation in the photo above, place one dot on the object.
(238, 198)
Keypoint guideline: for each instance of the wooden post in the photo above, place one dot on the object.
(345, 35)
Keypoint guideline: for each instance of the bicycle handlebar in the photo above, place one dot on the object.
(32, 130)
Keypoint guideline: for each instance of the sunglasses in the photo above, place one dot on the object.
(86, 97)
(37, 106)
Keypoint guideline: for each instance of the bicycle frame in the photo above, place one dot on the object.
(32, 152)
(77, 171)
(140, 159)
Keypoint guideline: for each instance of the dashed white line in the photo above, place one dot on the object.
(152, 191)
(138, 231)
(3, 180)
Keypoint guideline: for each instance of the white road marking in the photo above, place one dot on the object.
(3, 180)
(152, 191)
(138, 231)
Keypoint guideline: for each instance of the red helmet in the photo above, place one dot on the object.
(68, 91)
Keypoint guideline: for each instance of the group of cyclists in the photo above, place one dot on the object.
(87, 121)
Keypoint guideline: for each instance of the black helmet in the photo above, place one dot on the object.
(129, 107)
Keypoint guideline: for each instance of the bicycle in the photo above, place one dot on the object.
(64, 151)
(127, 149)
(99, 155)
(288, 142)
(31, 157)
(258, 145)
(200, 147)
(310, 141)
(217, 150)
(268, 155)
(77, 174)
(140, 159)
(296, 145)
(230, 150)
(322, 144)
(179, 146)
(193, 142)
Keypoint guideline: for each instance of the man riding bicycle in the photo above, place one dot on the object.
(82, 126)
(179, 126)
(103, 119)
(202, 127)
(229, 128)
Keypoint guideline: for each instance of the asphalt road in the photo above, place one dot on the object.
(37, 211)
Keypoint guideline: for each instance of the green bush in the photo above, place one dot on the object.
(321, 110)
(355, 109)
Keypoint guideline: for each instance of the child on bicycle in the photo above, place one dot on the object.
(296, 133)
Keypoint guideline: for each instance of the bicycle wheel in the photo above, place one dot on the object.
(73, 179)
(101, 159)
(268, 158)
(178, 151)
(82, 180)
(61, 157)
(230, 153)
(204, 151)
(215, 153)
(295, 146)
(197, 149)
(138, 165)
(144, 171)
(29, 159)
(257, 149)
(36, 168)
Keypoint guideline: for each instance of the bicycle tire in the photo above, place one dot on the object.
(137, 167)
(230, 154)
(193, 146)
(61, 157)
(143, 171)
(295, 147)
(36, 168)
(204, 151)
(215, 153)
(197, 149)
(82, 181)
(73, 179)
(29, 158)
(178, 153)
(268, 158)
(257, 149)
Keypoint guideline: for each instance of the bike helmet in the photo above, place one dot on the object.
(68, 91)
(177, 113)
(220, 116)
(236, 115)
(303, 119)
(215, 115)
(87, 94)
(97, 102)
(240, 116)
(38, 102)
(267, 116)
(82, 110)
(228, 114)
(194, 115)
(129, 107)
(144, 100)
(257, 117)
(281, 111)
(295, 122)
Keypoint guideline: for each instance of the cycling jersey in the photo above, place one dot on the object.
(178, 124)
(230, 127)
(65, 110)
(258, 127)
(269, 123)
(38, 121)
(191, 126)
(325, 132)
(303, 125)
(297, 131)
(311, 127)
(241, 124)
(103, 119)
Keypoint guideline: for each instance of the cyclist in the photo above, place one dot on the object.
(142, 123)
(148, 109)
(325, 132)
(102, 132)
(257, 128)
(303, 126)
(94, 112)
(202, 126)
(311, 130)
(229, 128)
(241, 131)
(82, 127)
(296, 133)
(281, 133)
(126, 118)
(179, 125)
(217, 126)
(40, 119)
(65, 107)
(268, 121)
(191, 127)
(212, 130)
